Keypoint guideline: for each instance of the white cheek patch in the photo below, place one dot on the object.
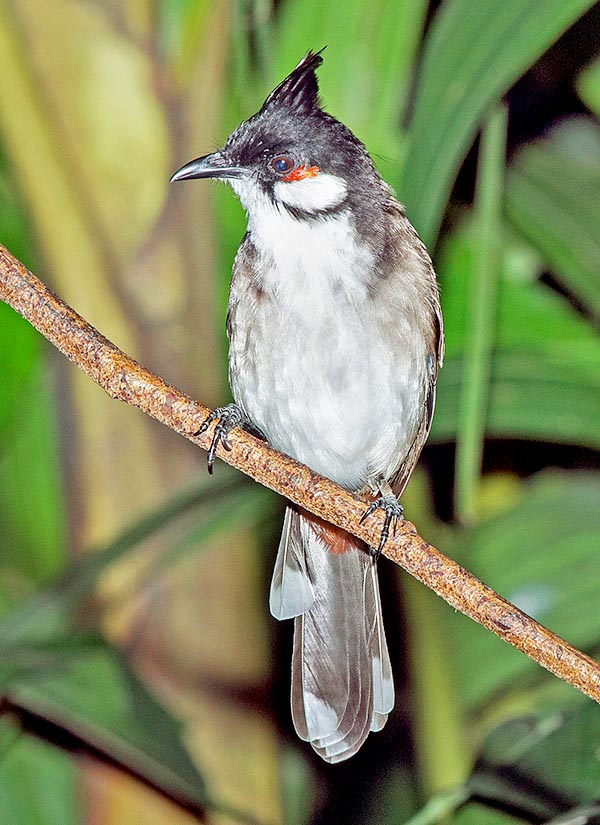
(312, 194)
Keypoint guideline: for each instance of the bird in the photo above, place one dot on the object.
(335, 339)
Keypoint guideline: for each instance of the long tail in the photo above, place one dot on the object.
(342, 683)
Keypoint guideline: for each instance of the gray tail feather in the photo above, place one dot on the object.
(291, 586)
(341, 674)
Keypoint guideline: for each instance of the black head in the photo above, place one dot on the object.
(300, 157)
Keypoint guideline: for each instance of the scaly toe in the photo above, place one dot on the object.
(393, 512)
(229, 417)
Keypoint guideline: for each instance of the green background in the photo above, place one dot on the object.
(142, 678)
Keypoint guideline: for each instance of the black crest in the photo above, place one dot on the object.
(300, 89)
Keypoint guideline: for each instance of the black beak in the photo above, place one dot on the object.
(210, 166)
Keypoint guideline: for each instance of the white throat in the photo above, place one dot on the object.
(305, 259)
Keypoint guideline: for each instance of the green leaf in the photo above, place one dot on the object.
(480, 326)
(536, 766)
(371, 47)
(15, 232)
(472, 55)
(554, 754)
(31, 494)
(92, 693)
(543, 556)
(85, 687)
(439, 807)
(32, 523)
(37, 781)
(545, 374)
(19, 345)
(588, 86)
(581, 815)
(553, 200)
(180, 26)
(197, 518)
(479, 814)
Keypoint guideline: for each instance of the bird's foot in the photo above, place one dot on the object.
(230, 416)
(394, 512)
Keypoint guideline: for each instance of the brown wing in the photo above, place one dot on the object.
(429, 296)
(241, 278)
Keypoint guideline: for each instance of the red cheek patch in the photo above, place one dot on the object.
(301, 172)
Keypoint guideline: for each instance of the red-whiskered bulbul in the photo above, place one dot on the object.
(335, 336)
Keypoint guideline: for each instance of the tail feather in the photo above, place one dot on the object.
(351, 730)
(383, 681)
(319, 689)
(348, 746)
(291, 587)
(341, 674)
(378, 721)
(325, 678)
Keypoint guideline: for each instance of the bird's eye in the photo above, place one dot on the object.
(282, 164)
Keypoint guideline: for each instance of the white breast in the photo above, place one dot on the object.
(312, 360)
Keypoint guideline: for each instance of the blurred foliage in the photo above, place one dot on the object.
(552, 198)
(100, 102)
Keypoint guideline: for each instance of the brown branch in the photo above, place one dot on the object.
(128, 381)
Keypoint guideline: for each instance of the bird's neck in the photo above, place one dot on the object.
(309, 259)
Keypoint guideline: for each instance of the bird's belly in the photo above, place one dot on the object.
(327, 388)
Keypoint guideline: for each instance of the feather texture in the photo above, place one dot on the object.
(299, 91)
(335, 339)
(341, 676)
(292, 591)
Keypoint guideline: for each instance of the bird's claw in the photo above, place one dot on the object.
(393, 513)
(229, 417)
